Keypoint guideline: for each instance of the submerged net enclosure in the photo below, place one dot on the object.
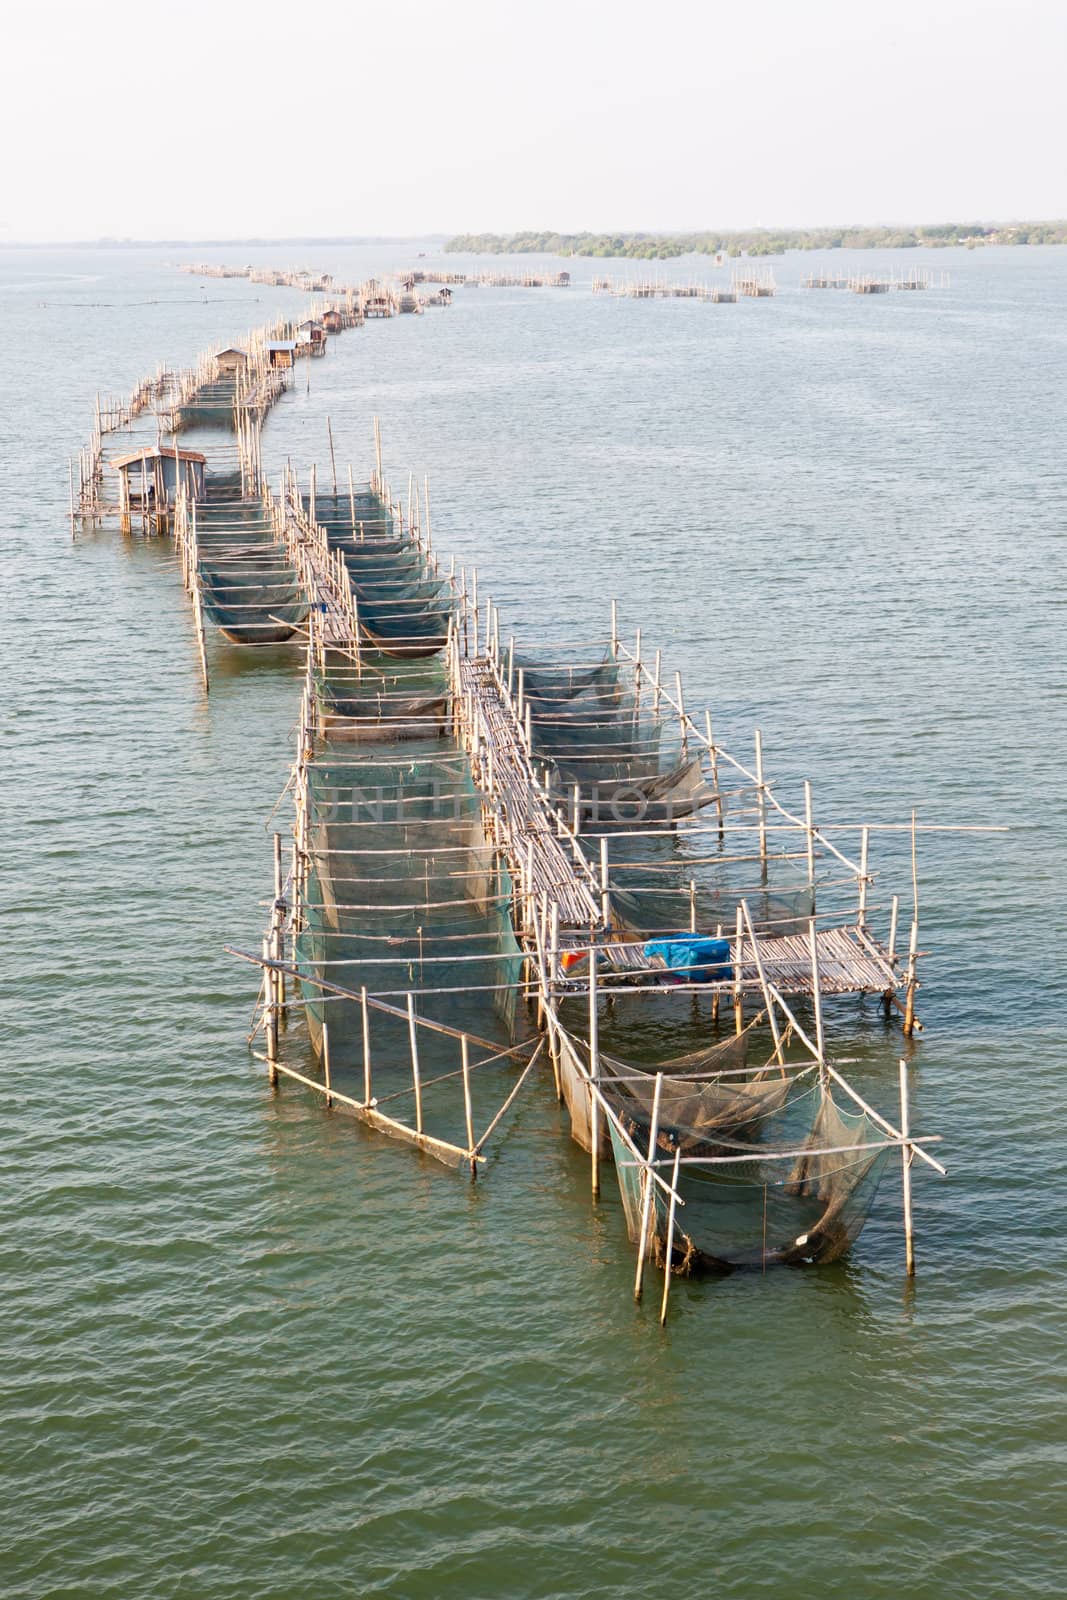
(248, 584)
(404, 603)
(412, 977)
(405, 899)
(802, 1196)
(728, 1087)
(622, 760)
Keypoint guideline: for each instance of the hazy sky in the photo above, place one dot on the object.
(210, 119)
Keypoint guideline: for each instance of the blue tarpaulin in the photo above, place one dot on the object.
(696, 960)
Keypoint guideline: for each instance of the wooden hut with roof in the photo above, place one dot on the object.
(150, 480)
(231, 361)
(281, 352)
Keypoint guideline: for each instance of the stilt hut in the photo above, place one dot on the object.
(281, 352)
(150, 481)
(231, 361)
(310, 338)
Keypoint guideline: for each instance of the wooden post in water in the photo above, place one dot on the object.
(270, 1018)
(906, 1158)
(816, 992)
(913, 943)
(681, 714)
(326, 1061)
(761, 802)
(714, 754)
(594, 1073)
(670, 1236)
(715, 999)
(277, 918)
(909, 992)
(809, 826)
(615, 628)
(415, 1077)
(648, 1189)
(739, 998)
(366, 1045)
(605, 883)
(865, 839)
(464, 1046)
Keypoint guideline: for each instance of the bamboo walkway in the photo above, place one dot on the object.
(542, 851)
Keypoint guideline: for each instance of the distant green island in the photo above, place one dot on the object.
(758, 241)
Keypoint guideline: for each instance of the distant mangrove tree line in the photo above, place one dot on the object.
(757, 241)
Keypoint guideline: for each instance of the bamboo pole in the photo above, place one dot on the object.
(865, 840)
(415, 1077)
(367, 1099)
(714, 755)
(906, 1159)
(816, 989)
(670, 1237)
(647, 1189)
(909, 992)
(594, 1073)
(468, 1114)
(198, 622)
(333, 458)
(761, 799)
(326, 1062)
(767, 1001)
(270, 1018)
(913, 943)
(277, 915)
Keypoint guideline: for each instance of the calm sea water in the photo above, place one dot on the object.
(249, 1350)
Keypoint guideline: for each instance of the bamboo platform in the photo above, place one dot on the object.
(542, 852)
(847, 961)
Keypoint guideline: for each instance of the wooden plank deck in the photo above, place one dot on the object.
(543, 855)
(850, 962)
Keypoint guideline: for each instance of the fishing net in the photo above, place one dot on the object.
(649, 908)
(252, 599)
(385, 697)
(405, 896)
(705, 1096)
(622, 768)
(404, 606)
(248, 586)
(810, 1204)
(211, 404)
